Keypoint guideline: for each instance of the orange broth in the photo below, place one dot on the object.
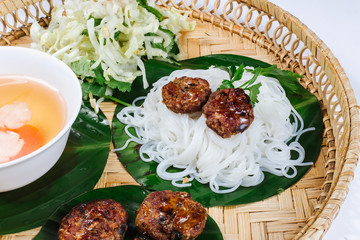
(47, 106)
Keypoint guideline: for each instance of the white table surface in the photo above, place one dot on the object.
(337, 23)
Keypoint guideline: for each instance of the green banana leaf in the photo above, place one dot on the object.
(130, 198)
(77, 171)
(145, 173)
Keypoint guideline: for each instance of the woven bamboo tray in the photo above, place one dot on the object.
(258, 29)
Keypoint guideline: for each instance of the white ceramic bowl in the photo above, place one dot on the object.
(30, 62)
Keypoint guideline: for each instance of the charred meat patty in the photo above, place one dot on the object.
(99, 219)
(170, 215)
(228, 112)
(186, 94)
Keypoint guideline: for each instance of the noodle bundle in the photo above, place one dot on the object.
(184, 142)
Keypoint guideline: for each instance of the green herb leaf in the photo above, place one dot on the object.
(85, 32)
(100, 83)
(256, 73)
(121, 86)
(226, 84)
(116, 35)
(118, 101)
(232, 70)
(170, 47)
(227, 69)
(93, 87)
(167, 31)
(99, 77)
(174, 50)
(234, 74)
(151, 34)
(154, 11)
(289, 79)
(238, 73)
(159, 46)
(97, 21)
(144, 4)
(82, 68)
(254, 91)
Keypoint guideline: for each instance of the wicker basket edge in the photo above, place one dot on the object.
(317, 227)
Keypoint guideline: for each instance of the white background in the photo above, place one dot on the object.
(337, 23)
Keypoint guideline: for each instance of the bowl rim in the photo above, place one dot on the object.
(73, 114)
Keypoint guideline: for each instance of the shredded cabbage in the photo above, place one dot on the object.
(105, 42)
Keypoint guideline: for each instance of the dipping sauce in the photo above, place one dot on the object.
(31, 113)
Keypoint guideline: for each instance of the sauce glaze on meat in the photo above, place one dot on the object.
(186, 94)
(99, 219)
(169, 215)
(228, 112)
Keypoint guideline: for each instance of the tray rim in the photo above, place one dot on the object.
(337, 193)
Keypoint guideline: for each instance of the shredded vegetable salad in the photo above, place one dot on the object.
(106, 41)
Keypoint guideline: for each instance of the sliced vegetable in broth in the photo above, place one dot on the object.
(77, 171)
(31, 114)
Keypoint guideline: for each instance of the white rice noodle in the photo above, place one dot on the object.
(185, 142)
